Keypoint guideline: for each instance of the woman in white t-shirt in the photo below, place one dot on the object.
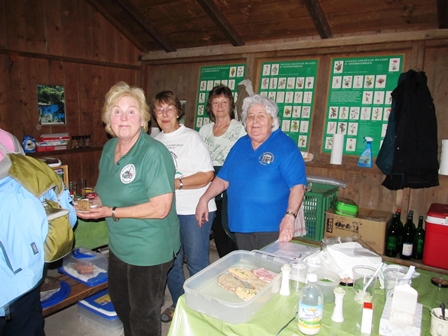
(219, 136)
(194, 173)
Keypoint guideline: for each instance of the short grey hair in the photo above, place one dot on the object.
(270, 106)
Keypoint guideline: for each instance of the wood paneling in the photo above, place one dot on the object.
(61, 43)
(71, 44)
(363, 184)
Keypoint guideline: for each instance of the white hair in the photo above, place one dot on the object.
(270, 106)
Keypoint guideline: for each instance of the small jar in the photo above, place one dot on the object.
(81, 141)
(75, 143)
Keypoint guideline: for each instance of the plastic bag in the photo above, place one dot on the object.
(341, 254)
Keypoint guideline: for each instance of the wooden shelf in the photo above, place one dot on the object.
(67, 151)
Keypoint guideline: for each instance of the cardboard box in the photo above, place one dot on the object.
(370, 225)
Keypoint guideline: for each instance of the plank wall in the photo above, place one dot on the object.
(181, 75)
(65, 43)
(68, 43)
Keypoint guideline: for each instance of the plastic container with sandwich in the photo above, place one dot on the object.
(203, 293)
(436, 236)
(86, 266)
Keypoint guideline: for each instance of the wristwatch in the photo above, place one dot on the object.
(181, 184)
(113, 215)
(289, 212)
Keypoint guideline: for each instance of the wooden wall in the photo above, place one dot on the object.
(180, 73)
(65, 43)
(69, 43)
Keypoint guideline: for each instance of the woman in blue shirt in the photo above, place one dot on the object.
(264, 175)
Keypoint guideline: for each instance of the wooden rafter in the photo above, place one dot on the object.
(318, 17)
(106, 14)
(219, 19)
(442, 13)
(146, 25)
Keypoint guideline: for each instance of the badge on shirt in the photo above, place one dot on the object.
(266, 158)
(127, 174)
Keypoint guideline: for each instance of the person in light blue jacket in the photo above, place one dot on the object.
(23, 229)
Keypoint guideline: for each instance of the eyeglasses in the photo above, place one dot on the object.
(162, 110)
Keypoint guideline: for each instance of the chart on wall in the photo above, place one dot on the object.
(210, 76)
(291, 84)
(359, 100)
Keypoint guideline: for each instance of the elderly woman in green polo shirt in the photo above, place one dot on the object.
(135, 192)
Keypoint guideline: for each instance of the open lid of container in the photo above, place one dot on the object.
(437, 214)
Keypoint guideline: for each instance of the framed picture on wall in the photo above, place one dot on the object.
(51, 104)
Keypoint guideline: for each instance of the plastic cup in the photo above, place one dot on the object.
(361, 277)
(73, 187)
(392, 278)
(297, 277)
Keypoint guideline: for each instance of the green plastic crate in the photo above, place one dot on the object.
(316, 202)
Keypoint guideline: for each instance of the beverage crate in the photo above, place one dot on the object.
(316, 201)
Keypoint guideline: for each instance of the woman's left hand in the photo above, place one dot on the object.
(286, 229)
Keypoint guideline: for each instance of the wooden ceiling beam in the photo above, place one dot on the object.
(319, 19)
(219, 19)
(106, 14)
(146, 25)
(442, 13)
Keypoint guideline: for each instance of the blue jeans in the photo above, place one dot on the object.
(195, 243)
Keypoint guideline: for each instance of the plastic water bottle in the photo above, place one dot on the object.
(311, 301)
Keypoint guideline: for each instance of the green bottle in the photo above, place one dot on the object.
(419, 240)
(400, 230)
(393, 237)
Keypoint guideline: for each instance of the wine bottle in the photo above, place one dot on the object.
(400, 230)
(419, 240)
(408, 238)
(392, 237)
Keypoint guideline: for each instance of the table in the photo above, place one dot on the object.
(78, 291)
(279, 312)
(91, 233)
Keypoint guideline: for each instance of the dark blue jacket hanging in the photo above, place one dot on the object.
(409, 152)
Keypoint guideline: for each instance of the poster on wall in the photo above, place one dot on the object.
(210, 76)
(360, 101)
(51, 104)
(291, 84)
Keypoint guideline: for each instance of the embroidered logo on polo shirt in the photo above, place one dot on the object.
(266, 158)
(127, 174)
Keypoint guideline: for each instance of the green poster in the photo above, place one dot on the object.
(359, 100)
(230, 75)
(291, 84)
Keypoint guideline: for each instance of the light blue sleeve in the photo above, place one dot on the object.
(65, 201)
